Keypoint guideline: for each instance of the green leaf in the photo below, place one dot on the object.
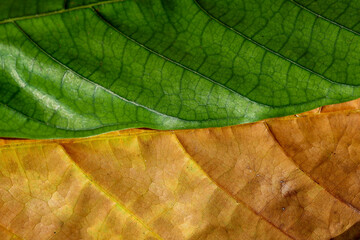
(78, 68)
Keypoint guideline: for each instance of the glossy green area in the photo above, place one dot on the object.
(88, 66)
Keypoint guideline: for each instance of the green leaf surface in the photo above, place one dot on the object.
(79, 68)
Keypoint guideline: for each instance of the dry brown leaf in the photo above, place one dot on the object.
(286, 178)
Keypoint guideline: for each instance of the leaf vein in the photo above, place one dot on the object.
(97, 85)
(325, 18)
(226, 191)
(106, 193)
(269, 50)
(174, 62)
(307, 174)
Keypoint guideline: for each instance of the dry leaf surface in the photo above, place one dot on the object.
(288, 178)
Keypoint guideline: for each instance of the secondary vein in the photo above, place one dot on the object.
(65, 9)
(268, 49)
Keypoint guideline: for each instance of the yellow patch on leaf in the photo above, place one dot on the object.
(288, 178)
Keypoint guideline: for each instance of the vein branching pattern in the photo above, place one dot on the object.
(72, 69)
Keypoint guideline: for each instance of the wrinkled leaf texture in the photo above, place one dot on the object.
(83, 67)
(286, 178)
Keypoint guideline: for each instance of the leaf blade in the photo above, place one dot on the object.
(169, 81)
(263, 193)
